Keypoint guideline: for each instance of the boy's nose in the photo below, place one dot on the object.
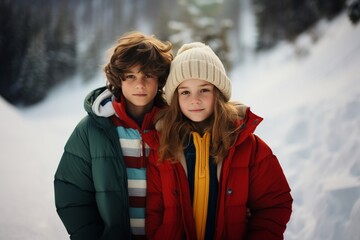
(140, 81)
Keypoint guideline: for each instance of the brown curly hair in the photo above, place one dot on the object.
(135, 48)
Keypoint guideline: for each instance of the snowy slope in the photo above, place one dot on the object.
(311, 106)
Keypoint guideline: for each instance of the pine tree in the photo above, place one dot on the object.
(61, 46)
(201, 22)
(354, 11)
(32, 84)
(285, 19)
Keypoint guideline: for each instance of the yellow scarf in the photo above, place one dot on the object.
(201, 182)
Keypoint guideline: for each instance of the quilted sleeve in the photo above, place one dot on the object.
(74, 190)
(270, 200)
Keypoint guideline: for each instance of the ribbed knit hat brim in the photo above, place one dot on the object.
(197, 61)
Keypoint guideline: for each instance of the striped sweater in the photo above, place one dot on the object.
(135, 152)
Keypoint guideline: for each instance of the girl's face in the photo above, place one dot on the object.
(196, 99)
(139, 88)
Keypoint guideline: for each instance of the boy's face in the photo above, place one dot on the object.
(138, 88)
(196, 99)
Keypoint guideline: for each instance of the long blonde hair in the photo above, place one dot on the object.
(176, 128)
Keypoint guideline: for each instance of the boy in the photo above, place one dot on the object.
(100, 183)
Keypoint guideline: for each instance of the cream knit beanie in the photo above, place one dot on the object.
(197, 61)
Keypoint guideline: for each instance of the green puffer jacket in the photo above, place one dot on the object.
(91, 194)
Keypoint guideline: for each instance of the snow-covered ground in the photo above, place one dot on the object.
(310, 101)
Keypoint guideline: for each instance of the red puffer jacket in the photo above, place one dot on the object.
(250, 176)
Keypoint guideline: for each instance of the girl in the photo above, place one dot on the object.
(208, 166)
(100, 183)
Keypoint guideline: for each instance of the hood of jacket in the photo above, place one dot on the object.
(98, 102)
(98, 105)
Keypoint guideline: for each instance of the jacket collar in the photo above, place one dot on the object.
(248, 125)
(126, 120)
(247, 120)
(101, 104)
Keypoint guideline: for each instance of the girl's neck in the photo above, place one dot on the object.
(204, 126)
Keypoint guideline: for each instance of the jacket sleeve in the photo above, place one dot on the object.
(74, 190)
(270, 200)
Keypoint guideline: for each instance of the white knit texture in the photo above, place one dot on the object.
(197, 61)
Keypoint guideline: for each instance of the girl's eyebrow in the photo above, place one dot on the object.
(182, 87)
(202, 85)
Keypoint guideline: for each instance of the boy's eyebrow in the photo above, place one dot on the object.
(129, 71)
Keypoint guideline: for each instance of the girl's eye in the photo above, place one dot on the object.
(204, 90)
(184, 93)
(129, 76)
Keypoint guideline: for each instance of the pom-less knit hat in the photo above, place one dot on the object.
(197, 61)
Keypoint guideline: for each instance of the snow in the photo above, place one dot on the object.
(308, 93)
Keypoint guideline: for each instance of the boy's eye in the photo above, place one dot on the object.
(149, 75)
(129, 76)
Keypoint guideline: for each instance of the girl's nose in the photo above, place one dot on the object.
(195, 99)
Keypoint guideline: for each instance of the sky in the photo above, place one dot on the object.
(307, 91)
